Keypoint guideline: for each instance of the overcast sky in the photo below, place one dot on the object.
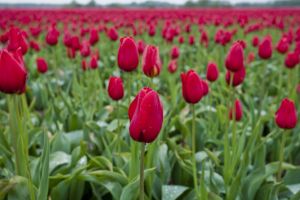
(107, 1)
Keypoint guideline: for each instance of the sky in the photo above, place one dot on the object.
(108, 1)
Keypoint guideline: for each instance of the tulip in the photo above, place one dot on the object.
(282, 46)
(237, 110)
(67, 40)
(265, 48)
(238, 77)
(52, 36)
(13, 73)
(42, 65)
(84, 65)
(181, 40)
(85, 49)
(152, 30)
(192, 84)
(128, 57)
(235, 58)
(115, 88)
(205, 88)
(17, 40)
(191, 40)
(291, 60)
(175, 52)
(93, 62)
(34, 45)
(75, 43)
(255, 41)
(172, 66)
(141, 46)
(286, 115)
(212, 72)
(94, 37)
(113, 34)
(204, 39)
(146, 116)
(151, 62)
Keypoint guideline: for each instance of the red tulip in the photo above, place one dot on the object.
(238, 77)
(212, 72)
(113, 34)
(146, 116)
(172, 66)
(42, 65)
(141, 46)
(75, 43)
(128, 57)
(192, 90)
(237, 110)
(85, 50)
(67, 40)
(34, 45)
(286, 115)
(191, 40)
(181, 40)
(94, 37)
(93, 62)
(13, 73)
(291, 60)
(84, 65)
(151, 63)
(283, 45)
(255, 41)
(17, 40)
(115, 88)
(52, 36)
(175, 52)
(235, 58)
(204, 39)
(265, 48)
(152, 30)
(205, 88)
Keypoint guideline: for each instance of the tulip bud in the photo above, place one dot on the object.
(93, 62)
(237, 110)
(94, 37)
(205, 88)
(128, 57)
(52, 36)
(192, 90)
(75, 43)
(172, 66)
(204, 39)
(181, 40)
(85, 49)
(265, 48)
(34, 45)
(255, 41)
(291, 60)
(151, 63)
(13, 73)
(283, 45)
(212, 72)
(115, 88)
(141, 46)
(113, 34)
(175, 52)
(84, 65)
(42, 65)
(235, 58)
(191, 40)
(286, 115)
(146, 116)
(238, 77)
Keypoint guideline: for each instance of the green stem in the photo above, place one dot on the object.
(194, 151)
(142, 171)
(281, 157)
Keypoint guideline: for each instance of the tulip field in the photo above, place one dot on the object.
(162, 104)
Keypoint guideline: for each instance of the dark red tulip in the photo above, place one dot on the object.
(286, 115)
(141, 46)
(152, 30)
(283, 45)
(175, 52)
(17, 40)
(151, 62)
(85, 50)
(192, 90)
(191, 40)
(13, 73)
(242, 43)
(204, 39)
(35, 46)
(93, 62)
(113, 34)
(115, 88)
(128, 56)
(265, 48)
(94, 37)
(238, 77)
(292, 60)
(237, 110)
(255, 41)
(52, 36)
(212, 72)
(235, 58)
(75, 43)
(67, 40)
(84, 65)
(146, 116)
(205, 88)
(181, 40)
(42, 65)
(172, 66)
